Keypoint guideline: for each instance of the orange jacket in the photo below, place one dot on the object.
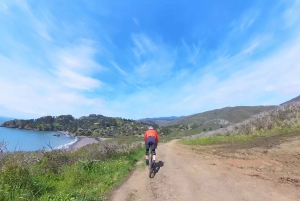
(152, 133)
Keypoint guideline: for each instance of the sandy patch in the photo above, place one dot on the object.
(82, 141)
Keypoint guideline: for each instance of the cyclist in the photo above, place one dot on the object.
(151, 137)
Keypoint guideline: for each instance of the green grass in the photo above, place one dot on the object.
(83, 180)
(93, 180)
(217, 139)
(232, 114)
(221, 139)
(177, 134)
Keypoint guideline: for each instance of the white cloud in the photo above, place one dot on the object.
(48, 79)
(79, 57)
(31, 93)
(244, 76)
(75, 65)
(254, 45)
(275, 75)
(136, 21)
(76, 80)
(154, 59)
(39, 23)
(292, 14)
(265, 78)
(194, 52)
(119, 69)
(246, 21)
(3, 7)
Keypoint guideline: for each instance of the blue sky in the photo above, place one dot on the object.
(137, 59)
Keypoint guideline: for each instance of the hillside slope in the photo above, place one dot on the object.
(292, 100)
(158, 120)
(220, 117)
(92, 125)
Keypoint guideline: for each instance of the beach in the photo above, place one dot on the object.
(82, 141)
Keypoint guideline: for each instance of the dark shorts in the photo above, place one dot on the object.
(152, 141)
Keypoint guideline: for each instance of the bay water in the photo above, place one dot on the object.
(28, 140)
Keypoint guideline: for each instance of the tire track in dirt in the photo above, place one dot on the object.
(185, 175)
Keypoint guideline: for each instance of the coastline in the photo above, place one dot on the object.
(78, 142)
(82, 141)
(30, 140)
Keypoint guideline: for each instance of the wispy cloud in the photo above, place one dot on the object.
(292, 15)
(253, 45)
(245, 21)
(238, 79)
(136, 21)
(154, 61)
(3, 7)
(274, 75)
(47, 78)
(76, 80)
(34, 93)
(75, 65)
(119, 67)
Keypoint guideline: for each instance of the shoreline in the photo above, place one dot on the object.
(82, 141)
(70, 141)
(78, 142)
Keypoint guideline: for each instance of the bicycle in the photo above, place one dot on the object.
(151, 166)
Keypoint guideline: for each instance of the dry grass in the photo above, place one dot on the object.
(286, 117)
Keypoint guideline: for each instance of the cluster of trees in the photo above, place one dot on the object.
(92, 125)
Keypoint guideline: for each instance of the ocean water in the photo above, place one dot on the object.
(25, 140)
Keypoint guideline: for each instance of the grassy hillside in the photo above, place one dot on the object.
(159, 120)
(284, 119)
(292, 100)
(215, 119)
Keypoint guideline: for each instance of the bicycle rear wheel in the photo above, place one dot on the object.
(150, 160)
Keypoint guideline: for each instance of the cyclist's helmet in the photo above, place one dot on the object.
(150, 127)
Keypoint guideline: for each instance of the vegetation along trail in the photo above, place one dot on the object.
(186, 174)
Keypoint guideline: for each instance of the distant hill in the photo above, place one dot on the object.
(218, 118)
(92, 125)
(292, 100)
(158, 120)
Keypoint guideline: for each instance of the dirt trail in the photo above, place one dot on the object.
(184, 174)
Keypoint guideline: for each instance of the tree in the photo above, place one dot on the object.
(165, 131)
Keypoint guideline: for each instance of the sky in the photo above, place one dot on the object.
(137, 59)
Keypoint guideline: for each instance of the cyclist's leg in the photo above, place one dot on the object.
(153, 155)
(147, 151)
(153, 152)
(153, 141)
